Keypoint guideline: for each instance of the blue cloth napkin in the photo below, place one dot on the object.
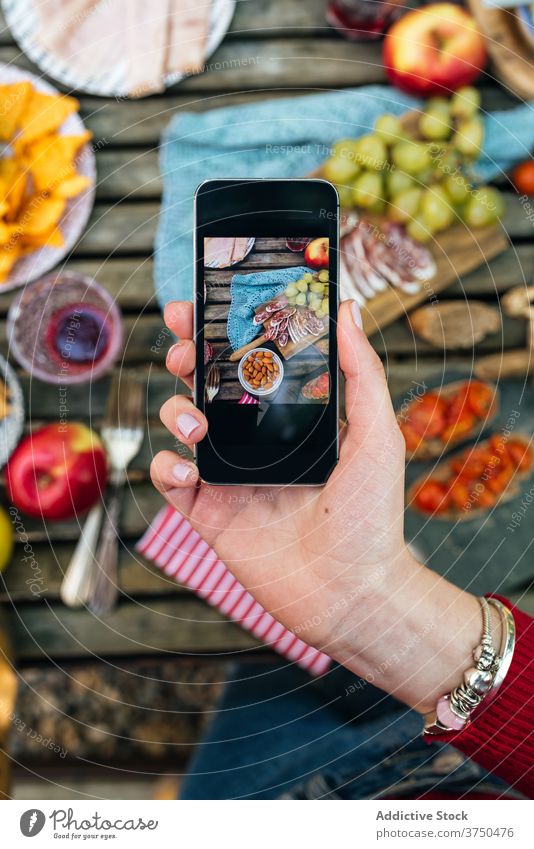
(285, 138)
(247, 292)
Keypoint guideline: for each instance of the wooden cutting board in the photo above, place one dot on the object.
(287, 351)
(511, 56)
(456, 252)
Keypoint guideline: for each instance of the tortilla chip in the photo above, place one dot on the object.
(72, 186)
(51, 239)
(8, 258)
(40, 215)
(39, 175)
(50, 159)
(13, 100)
(44, 114)
(9, 169)
(12, 187)
(16, 197)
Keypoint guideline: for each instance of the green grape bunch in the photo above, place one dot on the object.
(420, 177)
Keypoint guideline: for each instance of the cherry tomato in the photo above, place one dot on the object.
(499, 479)
(520, 454)
(523, 177)
(479, 398)
(457, 404)
(411, 438)
(426, 415)
(485, 498)
(459, 428)
(460, 494)
(432, 497)
(471, 464)
(498, 443)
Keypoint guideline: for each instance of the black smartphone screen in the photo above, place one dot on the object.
(266, 299)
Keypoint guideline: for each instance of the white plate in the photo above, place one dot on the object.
(261, 393)
(77, 210)
(11, 427)
(112, 81)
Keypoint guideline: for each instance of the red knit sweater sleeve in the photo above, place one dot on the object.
(501, 739)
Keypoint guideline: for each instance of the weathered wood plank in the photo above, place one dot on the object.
(120, 229)
(140, 504)
(22, 583)
(129, 228)
(240, 65)
(141, 122)
(251, 63)
(134, 173)
(130, 280)
(42, 400)
(147, 341)
(180, 624)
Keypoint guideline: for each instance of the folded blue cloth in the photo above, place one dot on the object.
(285, 138)
(248, 291)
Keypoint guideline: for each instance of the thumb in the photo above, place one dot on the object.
(368, 406)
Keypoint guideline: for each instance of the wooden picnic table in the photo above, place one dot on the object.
(266, 255)
(275, 48)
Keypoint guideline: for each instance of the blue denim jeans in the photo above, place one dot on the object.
(277, 734)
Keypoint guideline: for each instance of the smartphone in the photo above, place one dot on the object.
(266, 301)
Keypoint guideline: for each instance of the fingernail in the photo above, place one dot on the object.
(182, 472)
(356, 315)
(187, 424)
(174, 347)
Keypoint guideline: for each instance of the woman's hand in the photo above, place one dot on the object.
(330, 563)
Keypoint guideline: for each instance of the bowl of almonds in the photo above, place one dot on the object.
(260, 372)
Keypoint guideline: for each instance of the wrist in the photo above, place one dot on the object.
(414, 634)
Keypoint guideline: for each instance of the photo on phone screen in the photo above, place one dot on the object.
(268, 375)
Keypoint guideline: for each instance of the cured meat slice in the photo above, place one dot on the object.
(271, 332)
(421, 261)
(58, 20)
(283, 339)
(260, 317)
(188, 30)
(240, 250)
(285, 312)
(146, 46)
(347, 287)
(360, 271)
(208, 352)
(274, 306)
(218, 251)
(362, 244)
(384, 257)
(374, 257)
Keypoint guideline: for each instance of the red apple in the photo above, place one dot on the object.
(316, 254)
(57, 472)
(436, 48)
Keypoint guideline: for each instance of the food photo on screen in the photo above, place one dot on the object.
(266, 331)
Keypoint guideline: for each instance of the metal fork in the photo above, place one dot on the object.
(213, 383)
(122, 435)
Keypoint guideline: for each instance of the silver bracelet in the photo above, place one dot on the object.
(454, 711)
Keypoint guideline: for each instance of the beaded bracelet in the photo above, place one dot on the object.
(454, 711)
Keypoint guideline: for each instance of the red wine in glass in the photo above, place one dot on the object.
(362, 20)
(78, 334)
(297, 244)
